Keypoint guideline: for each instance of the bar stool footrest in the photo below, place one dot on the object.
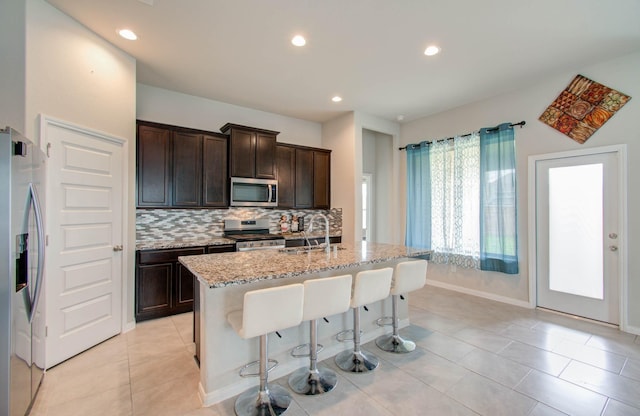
(346, 335)
(296, 352)
(385, 321)
(243, 371)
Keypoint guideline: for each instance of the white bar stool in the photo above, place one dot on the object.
(369, 286)
(264, 311)
(322, 297)
(408, 276)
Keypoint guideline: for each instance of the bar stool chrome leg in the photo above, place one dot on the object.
(263, 400)
(356, 361)
(313, 380)
(394, 342)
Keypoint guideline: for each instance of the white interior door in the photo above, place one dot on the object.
(84, 227)
(578, 235)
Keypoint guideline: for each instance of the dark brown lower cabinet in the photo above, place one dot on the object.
(153, 290)
(163, 285)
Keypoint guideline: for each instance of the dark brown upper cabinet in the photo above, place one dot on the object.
(304, 179)
(321, 179)
(153, 167)
(187, 169)
(181, 168)
(215, 191)
(285, 168)
(252, 151)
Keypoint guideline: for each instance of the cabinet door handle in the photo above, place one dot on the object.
(117, 248)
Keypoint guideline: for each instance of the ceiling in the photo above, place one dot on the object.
(370, 52)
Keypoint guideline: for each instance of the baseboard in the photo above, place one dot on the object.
(480, 294)
(632, 329)
(128, 326)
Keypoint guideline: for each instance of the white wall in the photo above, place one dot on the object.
(343, 135)
(385, 205)
(12, 51)
(369, 154)
(76, 76)
(389, 230)
(377, 159)
(169, 107)
(338, 135)
(537, 138)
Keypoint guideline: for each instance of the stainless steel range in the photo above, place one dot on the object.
(252, 235)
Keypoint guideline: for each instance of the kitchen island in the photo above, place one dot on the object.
(224, 278)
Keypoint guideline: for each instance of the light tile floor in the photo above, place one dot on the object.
(474, 356)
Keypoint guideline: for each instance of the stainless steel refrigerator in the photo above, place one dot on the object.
(22, 249)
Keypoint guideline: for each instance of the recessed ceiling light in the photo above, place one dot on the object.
(336, 99)
(431, 50)
(128, 34)
(299, 40)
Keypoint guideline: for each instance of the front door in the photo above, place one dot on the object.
(84, 227)
(577, 199)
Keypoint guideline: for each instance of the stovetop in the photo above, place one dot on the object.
(254, 237)
(250, 230)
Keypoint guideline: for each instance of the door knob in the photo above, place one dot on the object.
(613, 236)
(613, 248)
(117, 248)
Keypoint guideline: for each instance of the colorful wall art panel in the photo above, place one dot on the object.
(582, 108)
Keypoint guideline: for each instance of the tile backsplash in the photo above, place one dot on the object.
(159, 224)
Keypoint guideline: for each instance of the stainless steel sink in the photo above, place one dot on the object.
(308, 249)
(302, 250)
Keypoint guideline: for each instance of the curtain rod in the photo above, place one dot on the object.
(522, 123)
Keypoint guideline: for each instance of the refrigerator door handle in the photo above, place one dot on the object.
(34, 201)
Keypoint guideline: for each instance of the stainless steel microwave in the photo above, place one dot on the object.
(249, 192)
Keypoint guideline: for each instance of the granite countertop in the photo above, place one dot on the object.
(181, 243)
(225, 269)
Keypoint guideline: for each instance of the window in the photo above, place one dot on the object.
(455, 201)
(461, 200)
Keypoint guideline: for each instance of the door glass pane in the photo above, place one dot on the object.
(575, 230)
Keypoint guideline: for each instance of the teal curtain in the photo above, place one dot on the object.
(498, 198)
(418, 228)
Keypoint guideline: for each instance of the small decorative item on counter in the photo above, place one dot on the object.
(294, 224)
(300, 223)
(284, 224)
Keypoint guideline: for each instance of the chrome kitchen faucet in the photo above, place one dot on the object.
(326, 227)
